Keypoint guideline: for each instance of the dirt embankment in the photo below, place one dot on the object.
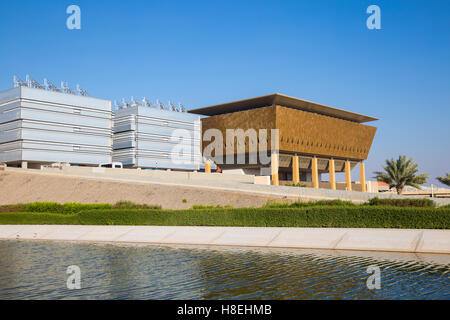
(25, 187)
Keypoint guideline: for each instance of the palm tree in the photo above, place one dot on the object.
(400, 173)
(445, 180)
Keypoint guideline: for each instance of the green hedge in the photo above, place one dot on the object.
(337, 202)
(132, 205)
(72, 207)
(423, 202)
(314, 216)
(67, 208)
(12, 208)
(38, 218)
(345, 217)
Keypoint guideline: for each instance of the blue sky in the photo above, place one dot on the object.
(207, 52)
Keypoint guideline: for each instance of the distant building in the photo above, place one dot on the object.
(424, 191)
(45, 124)
(313, 138)
(384, 187)
(39, 126)
(147, 137)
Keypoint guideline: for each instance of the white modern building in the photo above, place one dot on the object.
(41, 125)
(44, 124)
(145, 136)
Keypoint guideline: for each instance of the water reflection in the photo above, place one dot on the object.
(37, 270)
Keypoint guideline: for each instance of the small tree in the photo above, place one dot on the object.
(400, 173)
(445, 180)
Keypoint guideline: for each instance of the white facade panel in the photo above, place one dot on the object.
(65, 109)
(65, 137)
(9, 95)
(61, 156)
(44, 126)
(126, 156)
(153, 138)
(7, 106)
(65, 118)
(64, 128)
(10, 155)
(162, 129)
(10, 116)
(67, 147)
(65, 99)
(10, 135)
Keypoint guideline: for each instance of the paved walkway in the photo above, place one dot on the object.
(397, 240)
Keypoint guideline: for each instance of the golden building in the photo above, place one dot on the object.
(312, 139)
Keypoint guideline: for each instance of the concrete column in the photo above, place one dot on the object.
(295, 170)
(274, 168)
(315, 173)
(208, 166)
(332, 172)
(24, 165)
(348, 177)
(362, 176)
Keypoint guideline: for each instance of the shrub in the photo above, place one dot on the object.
(300, 185)
(69, 207)
(200, 206)
(423, 202)
(72, 207)
(12, 208)
(298, 204)
(276, 204)
(44, 207)
(132, 205)
(336, 202)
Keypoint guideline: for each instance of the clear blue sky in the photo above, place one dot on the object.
(208, 52)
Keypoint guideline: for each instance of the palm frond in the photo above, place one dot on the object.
(401, 172)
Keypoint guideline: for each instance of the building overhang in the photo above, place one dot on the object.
(285, 101)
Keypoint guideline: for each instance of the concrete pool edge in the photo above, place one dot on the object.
(396, 240)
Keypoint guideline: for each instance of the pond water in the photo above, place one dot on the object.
(37, 270)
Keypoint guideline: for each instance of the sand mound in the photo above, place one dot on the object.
(23, 187)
